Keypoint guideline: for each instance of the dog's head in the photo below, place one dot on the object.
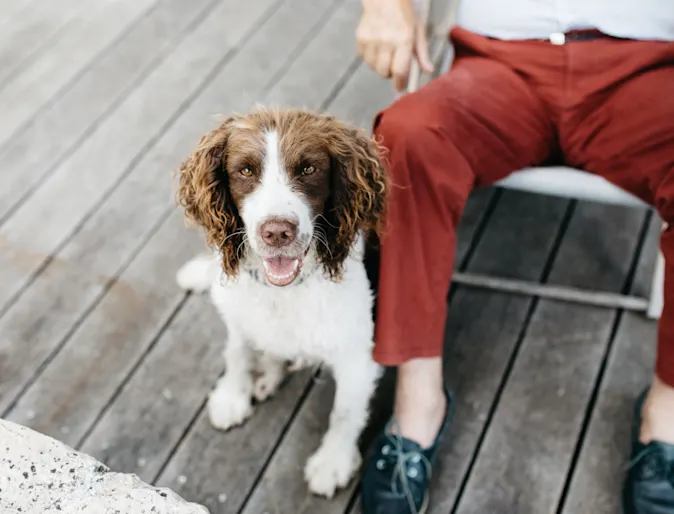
(281, 187)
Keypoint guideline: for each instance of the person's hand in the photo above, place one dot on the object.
(389, 36)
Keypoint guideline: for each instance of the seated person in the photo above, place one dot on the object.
(591, 81)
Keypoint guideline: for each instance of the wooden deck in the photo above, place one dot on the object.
(100, 101)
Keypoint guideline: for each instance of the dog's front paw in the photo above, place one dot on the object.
(228, 407)
(331, 468)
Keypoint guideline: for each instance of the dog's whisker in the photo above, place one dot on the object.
(323, 241)
(238, 248)
(326, 220)
(235, 233)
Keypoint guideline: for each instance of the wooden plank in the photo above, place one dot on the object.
(54, 68)
(522, 464)
(11, 10)
(23, 37)
(39, 227)
(67, 397)
(219, 468)
(56, 395)
(373, 93)
(63, 124)
(164, 394)
(75, 280)
(600, 471)
(310, 81)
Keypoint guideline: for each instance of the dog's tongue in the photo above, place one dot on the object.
(281, 271)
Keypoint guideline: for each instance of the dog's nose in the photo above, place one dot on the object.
(278, 232)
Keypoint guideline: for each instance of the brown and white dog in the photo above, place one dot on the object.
(285, 198)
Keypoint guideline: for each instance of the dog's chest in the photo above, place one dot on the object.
(311, 320)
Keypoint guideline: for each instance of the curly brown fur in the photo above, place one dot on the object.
(360, 189)
(204, 193)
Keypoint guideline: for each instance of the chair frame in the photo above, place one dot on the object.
(554, 181)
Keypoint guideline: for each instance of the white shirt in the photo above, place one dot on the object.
(540, 19)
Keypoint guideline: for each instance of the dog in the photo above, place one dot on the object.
(286, 199)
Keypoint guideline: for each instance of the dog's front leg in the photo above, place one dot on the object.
(337, 459)
(230, 403)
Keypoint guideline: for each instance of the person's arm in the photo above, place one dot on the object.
(389, 36)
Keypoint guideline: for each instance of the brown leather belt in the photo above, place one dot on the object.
(585, 35)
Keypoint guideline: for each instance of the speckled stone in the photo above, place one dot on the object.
(39, 475)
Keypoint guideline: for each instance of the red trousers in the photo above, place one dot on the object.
(603, 105)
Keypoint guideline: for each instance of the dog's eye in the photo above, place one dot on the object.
(246, 172)
(308, 170)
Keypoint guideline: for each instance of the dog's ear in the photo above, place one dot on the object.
(204, 194)
(359, 192)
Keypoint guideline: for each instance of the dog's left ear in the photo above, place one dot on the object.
(359, 192)
(203, 192)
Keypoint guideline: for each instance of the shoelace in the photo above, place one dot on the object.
(647, 452)
(400, 470)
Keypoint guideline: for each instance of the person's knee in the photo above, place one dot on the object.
(404, 125)
(421, 148)
(412, 136)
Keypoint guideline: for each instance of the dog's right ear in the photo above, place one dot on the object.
(204, 194)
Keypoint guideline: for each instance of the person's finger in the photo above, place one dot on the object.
(363, 39)
(360, 48)
(400, 67)
(370, 55)
(383, 60)
(422, 52)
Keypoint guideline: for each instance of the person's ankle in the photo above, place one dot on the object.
(420, 403)
(658, 414)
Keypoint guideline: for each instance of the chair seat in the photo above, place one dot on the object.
(569, 183)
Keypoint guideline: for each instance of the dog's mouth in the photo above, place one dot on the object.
(281, 271)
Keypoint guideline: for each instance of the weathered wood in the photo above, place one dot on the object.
(373, 93)
(53, 69)
(310, 81)
(174, 146)
(11, 10)
(77, 277)
(23, 37)
(483, 327)
(600, 471)
(163, 395)
(220, 468)
(72, 117)
(41, 225)
(522, 464)
(282, 487)
(68, 396)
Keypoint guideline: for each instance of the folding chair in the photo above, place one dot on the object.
(438, 18)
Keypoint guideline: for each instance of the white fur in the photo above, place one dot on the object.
(274, 198)
(315, 320)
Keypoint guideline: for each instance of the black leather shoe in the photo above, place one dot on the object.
(649, 486)
(398, 472)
